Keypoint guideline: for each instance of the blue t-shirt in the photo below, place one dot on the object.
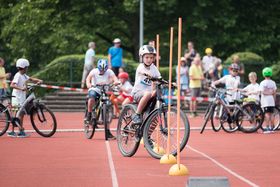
(116, 56)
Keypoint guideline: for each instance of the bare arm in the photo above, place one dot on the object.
(35, 80)
(109, 61)
(88, 80)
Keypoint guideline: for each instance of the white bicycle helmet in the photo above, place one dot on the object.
(22, 63)
(146, 49)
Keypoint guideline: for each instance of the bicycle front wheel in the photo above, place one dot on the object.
(4, 119)
(250, 118)
(215, 118)
(89, 126)
(43, 120)
(127, 139)
(155, 132)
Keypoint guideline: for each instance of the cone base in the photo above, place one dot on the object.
(159, 150)
(178, 171)
(168, 159)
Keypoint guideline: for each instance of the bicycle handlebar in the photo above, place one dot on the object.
(158, 79)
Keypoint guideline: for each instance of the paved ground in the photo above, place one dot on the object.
(68, 159)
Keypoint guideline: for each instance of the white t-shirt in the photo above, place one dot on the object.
(20, 96)
(106, 78)
(89, 54)
(142, 83)
(231, 82)
(207, 63)
(128, 87)
(255, 91)
(267, 100)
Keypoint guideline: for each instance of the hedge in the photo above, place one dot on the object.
(252, 62)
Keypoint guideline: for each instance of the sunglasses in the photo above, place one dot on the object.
(235, 70)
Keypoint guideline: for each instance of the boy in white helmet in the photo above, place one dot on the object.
(144, 89)
(99, 76)
(19, 85)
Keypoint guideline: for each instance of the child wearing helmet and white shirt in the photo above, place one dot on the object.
(231, 82)
(19, 91)
(143, 89)
(98, 76)
(268, 94)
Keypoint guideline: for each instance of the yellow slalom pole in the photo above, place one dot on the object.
(178, 169)
(169, 158)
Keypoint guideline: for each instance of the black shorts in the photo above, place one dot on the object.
(268, 109)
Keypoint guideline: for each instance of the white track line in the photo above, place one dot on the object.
(111, 164)
(224, 167)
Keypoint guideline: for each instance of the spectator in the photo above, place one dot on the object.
(184, 78)
(207, 62)
(115, 56)
(3, 77)
(236, 60)
(268, 94)
(89, 62)
(196, 77)
(190, 53)
(253, 89)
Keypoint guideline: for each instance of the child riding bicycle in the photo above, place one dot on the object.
(144, 88)
(98, 76)
(19, 85)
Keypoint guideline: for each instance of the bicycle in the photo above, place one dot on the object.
(40, 115)
(247, 118)
(102, 112)
(153, 128)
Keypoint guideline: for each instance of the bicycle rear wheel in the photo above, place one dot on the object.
(127, 139)
(155, 132)
(43, 120)
(4, 119)
(250, 118)
(228, 124)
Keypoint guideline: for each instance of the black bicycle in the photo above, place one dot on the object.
(42, 118)
(154, 127)
(247, 118)
(102, 112)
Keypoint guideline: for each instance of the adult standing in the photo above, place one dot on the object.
(196, 78)
(115, 56)
(190, 53)
(89, 62)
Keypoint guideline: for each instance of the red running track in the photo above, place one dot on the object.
(69, 159)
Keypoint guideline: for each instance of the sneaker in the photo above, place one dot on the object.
(22, 134)
(110, 135)
(12, 134)
(88, 116)
(137, 119)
